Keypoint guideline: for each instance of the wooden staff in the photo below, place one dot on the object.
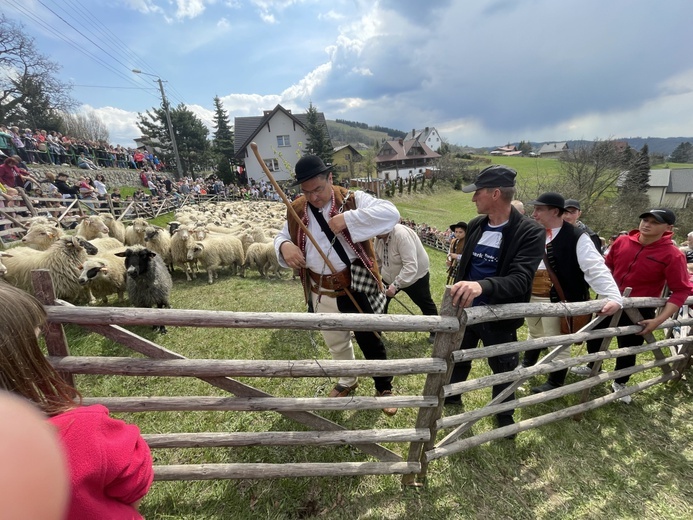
(292, 213)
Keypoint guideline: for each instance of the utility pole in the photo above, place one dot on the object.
(179, 167)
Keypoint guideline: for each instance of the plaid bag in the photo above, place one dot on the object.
(363, 281)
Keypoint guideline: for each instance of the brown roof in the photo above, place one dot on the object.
(411, 149)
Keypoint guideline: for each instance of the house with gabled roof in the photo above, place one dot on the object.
(280, 137)
(553, 149)
(402, 158)
(429, 136)
(667, 188)
(346, 160)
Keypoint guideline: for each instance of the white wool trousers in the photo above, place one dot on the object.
(546, 326)
(338, 341)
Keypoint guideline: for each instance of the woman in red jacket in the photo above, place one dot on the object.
(109, 463)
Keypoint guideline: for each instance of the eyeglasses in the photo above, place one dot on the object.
(316, 191)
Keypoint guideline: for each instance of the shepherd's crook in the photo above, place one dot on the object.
(292, 213)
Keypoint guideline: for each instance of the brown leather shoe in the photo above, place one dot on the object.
(342, 391)
(386, 393)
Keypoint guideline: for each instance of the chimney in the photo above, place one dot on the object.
(413, 132)
(426, 129)
(401, 141)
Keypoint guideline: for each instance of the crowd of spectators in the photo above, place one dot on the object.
(53, 148)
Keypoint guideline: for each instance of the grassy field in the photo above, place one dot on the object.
(619, 462)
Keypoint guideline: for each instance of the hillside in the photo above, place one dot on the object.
(657, 145)
(344, 134)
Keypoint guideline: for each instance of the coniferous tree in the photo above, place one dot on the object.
(683, 153)
(319, 142)
(222, 143)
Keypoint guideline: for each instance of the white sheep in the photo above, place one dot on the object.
(157, 239)
(263, 256)
(182, 240)
(103, 275)
(62, 259)
(134, 234)
(41, 236)
(104, 244)
(116, 228)
(91, 227)
(3, 269)
(215, 252)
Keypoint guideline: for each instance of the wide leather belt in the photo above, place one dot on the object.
(330, 284)
(541, 285)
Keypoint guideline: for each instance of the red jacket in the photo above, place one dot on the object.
(110, 464)
(646, 269)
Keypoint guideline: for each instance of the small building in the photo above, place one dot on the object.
(402, 158)
(277, 134)
(667, 188)
(429, 136)
(553, 149)
(346, 161)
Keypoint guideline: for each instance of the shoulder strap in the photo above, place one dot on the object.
(339, 249)
(554, 278)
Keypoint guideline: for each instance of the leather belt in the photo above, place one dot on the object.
(330, 284)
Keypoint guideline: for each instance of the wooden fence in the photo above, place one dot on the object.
(672, 357)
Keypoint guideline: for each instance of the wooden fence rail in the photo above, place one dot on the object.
(423, 438)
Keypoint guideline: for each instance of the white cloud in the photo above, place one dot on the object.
(331, 16)
(189, 8)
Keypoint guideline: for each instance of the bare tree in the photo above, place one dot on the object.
(85, 126)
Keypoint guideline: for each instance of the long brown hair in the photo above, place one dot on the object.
(24, 370)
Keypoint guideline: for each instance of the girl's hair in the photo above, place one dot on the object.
(24, 370)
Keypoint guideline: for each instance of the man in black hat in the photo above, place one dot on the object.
(343, 223)
(456, 247)
(645, 260)
(572, 215)
(574, 265)
(500, 256)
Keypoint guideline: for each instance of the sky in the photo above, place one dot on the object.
(482, 72)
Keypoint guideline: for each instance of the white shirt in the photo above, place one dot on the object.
(370, 218)
(401, 257)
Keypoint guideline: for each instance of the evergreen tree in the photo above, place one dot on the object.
(525, 147)
(319, 142)
(683, 153)
(222, 143)
(638, 177)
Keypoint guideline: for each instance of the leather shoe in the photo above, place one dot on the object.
(342, 391)
(544, 388)
(386, 393)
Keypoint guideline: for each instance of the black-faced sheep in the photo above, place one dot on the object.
(218, 251)
(103, 276)
(62, 259)
(148, 281)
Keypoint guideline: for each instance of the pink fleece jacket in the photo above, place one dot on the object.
(110, 464)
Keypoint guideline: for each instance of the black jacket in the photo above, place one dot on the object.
(66, 189)
(522, 248)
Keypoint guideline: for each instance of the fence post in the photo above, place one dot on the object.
(56, 342)
(443, 347)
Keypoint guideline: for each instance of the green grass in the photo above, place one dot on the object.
(618, 462)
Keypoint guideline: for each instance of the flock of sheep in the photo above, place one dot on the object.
(103, 257)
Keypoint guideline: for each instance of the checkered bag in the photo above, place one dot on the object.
(363, 281)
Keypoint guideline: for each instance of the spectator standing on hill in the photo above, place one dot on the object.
(500, 256)
(110, 465)
(572, 216)
(343, 224)
(645, 260)
(404, 267)
(574, 265)
(456, 246)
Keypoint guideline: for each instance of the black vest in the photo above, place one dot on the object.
(562, 255)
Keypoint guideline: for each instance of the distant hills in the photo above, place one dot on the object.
(351, 132)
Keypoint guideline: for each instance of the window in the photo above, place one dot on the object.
(283, 140)
(272, 164)
(347, 157)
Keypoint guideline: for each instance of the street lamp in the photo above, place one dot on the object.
(179, 168)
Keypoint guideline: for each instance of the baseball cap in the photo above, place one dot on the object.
(662, 215)
(572, 203)
(496, 176)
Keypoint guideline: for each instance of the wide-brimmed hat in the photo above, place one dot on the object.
(661, 215)
(572, 203)
(496, 176)
(309, 166)
(549, 198)
(461, 224)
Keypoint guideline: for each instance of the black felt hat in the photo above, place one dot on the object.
(309, 166)
(496, 176)
(550, 198)
(461, 224)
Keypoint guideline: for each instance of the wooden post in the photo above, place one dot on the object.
(56, 342)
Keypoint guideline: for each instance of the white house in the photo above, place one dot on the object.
(280, 137)
(667, 188)
(429, 136)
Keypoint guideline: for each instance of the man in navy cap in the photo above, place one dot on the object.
(572, 215)
(500, 256)
(645, 260)
(342, 223)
